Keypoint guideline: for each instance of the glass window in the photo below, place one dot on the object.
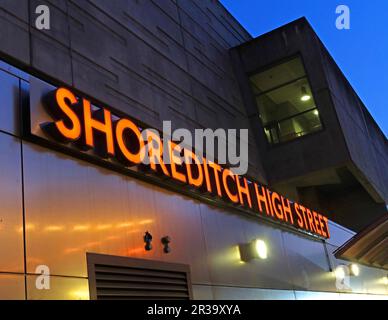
(285, 102)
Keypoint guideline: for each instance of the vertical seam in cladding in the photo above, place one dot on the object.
(327, 256)
(289, 268)
(209, 272)
(23, 203)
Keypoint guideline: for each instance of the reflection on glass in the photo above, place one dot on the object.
(285, 102)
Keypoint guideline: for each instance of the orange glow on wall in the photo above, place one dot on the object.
(103, 227)
(54, 228)
(124, 225)
(81, 228)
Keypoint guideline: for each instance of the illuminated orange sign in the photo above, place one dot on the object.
(77, 123)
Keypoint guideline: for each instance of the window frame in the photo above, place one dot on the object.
(306, 76)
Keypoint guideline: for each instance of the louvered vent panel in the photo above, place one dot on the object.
(132, 279)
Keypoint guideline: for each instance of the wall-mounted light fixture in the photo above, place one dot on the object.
(354, 269)
(166, 243)
(347, 270)
(148, 239)
(253, 250)
(385, 280)
(340, 272)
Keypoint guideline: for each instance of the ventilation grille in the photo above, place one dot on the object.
(135, 279)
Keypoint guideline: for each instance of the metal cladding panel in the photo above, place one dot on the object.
(374, 280)
(11, 212)
(201, 292)
(180, 218)
(9, 106)
(312, 295)
(12, 287)
(73, 207)
(76, 208)
(369, 281)
(273, 272)
(230, 293)
(309, 265)
(61, 288)
(224, 232)
(349, 296)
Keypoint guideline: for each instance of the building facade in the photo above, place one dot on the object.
(87, 221)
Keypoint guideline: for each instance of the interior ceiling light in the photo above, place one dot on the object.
(305, 96)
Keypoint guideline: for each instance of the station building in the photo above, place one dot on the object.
(308, 220)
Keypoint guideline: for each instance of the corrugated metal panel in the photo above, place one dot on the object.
(121, 278)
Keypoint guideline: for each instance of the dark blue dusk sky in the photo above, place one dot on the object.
(361, 52)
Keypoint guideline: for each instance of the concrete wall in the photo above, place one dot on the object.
(311, 153)
(350, 144)
(367, 144)
(155, 60)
